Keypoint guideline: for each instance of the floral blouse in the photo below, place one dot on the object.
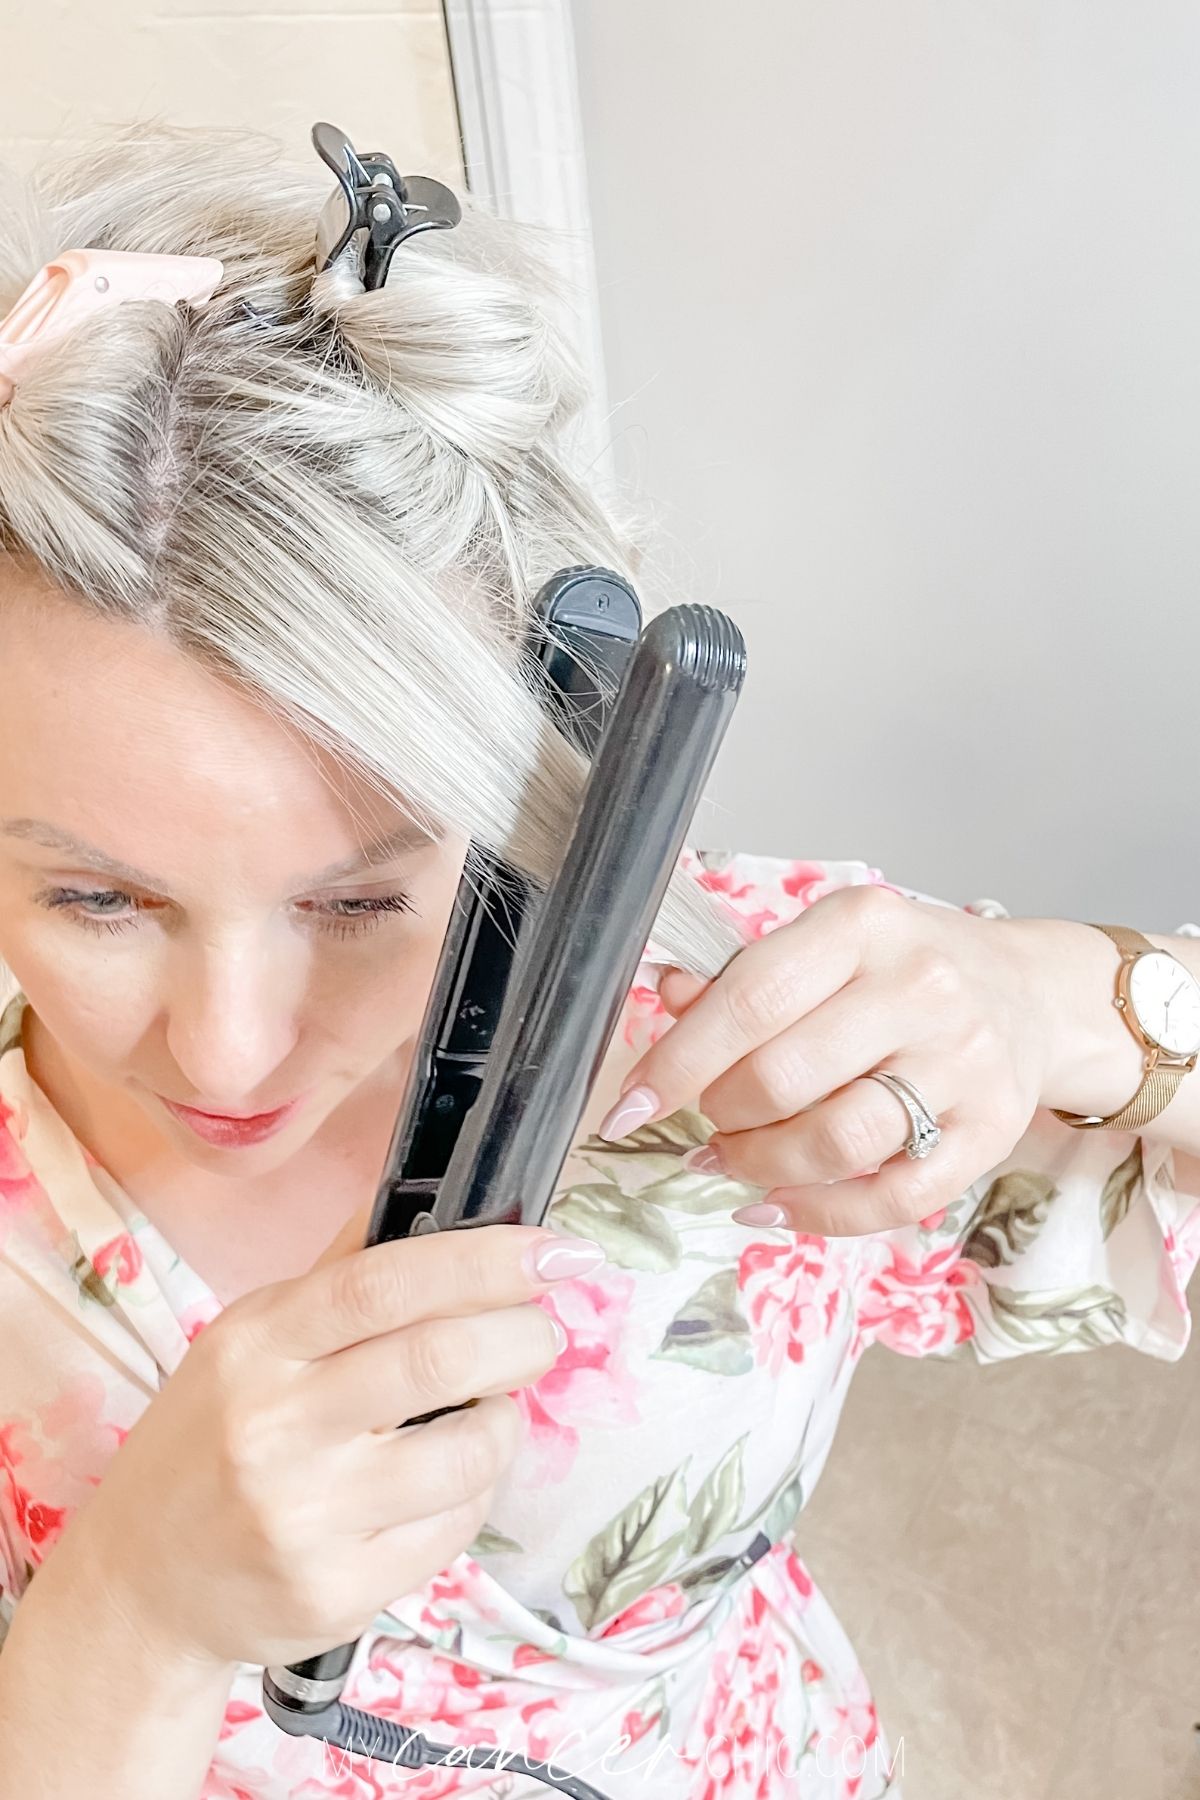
(637, 1609)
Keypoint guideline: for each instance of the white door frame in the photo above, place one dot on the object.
(522, 137)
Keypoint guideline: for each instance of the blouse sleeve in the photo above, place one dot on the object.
(1078, 1239)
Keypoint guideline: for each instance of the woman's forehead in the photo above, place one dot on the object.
(104, 717)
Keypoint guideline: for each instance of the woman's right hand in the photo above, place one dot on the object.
(264, 1507)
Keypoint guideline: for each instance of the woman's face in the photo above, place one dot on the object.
(225, 966)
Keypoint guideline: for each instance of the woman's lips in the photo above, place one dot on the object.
(215, 1129)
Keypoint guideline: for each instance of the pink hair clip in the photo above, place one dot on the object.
(81, 282)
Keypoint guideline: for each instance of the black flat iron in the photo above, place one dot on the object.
(528, 992)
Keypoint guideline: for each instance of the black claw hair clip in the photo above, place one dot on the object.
(374, 208)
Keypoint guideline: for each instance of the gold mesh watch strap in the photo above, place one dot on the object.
(1128, 941)
(1158, 1089)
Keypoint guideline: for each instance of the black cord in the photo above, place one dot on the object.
(366, 1734)
(353, 1731)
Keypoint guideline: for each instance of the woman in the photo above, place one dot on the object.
(268, 557)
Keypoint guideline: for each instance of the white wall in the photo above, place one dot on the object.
(901, 309)
(380, 71)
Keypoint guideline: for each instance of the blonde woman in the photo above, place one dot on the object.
(267, 559)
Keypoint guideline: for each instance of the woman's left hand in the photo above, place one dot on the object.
(779, 1046)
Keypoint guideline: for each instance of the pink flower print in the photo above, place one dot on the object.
(460, 1590)
(666, 1601)
(51, 1462)
(802, 1582)
(20, 1190)
(39, 1525)
(636, 1724)
(199, 1314)
(739, 1750)
(124, 1253)
(805, 881)
(589, 1385)
(237, 1714)
(1182, 1253)
(645, 1018)
(238, 1784)
(919, 1307)
(793, 1296)
(452, 1702)
(855, 1730)
(347, 1777)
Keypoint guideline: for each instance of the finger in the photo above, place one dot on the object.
(409, 1475)
(848, 1134)
(387, 1380)
(768, 986)
(679, 988)
(859, 1028)
(431, 1543)
(351, 1237)
(442, 1274)
(902, 1193)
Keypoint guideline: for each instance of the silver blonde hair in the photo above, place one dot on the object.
(342, 501)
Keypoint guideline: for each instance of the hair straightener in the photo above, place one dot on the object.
(528, 992)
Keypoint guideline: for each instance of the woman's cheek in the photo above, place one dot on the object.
(86, 996)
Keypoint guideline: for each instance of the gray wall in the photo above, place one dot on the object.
(901, 307)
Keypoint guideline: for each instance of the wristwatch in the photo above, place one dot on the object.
(1159, 1000)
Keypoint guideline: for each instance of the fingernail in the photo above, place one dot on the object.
(556, 1259)
(631, 1110)
(559, 1333)
(761, 1213)
(707, 1160)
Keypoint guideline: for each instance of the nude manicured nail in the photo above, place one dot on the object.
(761, 1213)
(705, 1161)
(556, 1259)
(631, 1110)
(559, 1334)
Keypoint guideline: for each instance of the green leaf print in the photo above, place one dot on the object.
(551, 1619)
(632, 1553)
(630, 1236)
(1120, 1190)
(710, 1331)
(96, 1287)
(1086, 1317)
(785, 1508)
(651, 1153)
(489, 1542)
(10, 1024)
(1012, 1212)
(777, 1513)
(685, 1192)
(718, 1503)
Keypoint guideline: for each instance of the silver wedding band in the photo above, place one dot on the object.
(926, 1133)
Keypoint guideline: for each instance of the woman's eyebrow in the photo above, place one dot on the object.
(406, 837)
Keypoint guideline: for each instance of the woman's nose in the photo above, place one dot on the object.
(231, 1027)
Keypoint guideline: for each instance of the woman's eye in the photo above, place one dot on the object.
(73, 902)
(95, 911)
(344, 918)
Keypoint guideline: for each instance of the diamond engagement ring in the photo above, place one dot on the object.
(926, 1134)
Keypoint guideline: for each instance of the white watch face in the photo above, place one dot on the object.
(1166, 998)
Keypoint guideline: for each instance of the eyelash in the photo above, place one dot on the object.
(340, 925)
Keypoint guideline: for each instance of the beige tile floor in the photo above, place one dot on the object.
(1015, 1551)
